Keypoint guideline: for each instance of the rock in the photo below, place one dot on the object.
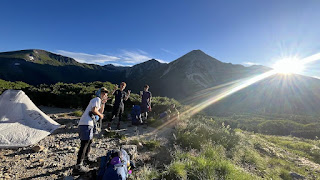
(74, 149)
(69, 148)
(38, 148)
(68, 178)
(69, 125)
(54, 165)
(131, 150)
(53, 116)
(6, 176)
(30, 156)
(140, 145)
(296, 176)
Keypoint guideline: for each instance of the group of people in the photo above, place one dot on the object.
(94, 112)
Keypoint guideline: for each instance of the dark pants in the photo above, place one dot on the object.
(84, 150)
(117, 111)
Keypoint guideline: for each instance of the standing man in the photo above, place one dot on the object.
(86, 125)
(145, 102)
(118, 106)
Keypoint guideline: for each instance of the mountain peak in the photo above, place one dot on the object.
(40, 56)
(196, 51)
(197, 56)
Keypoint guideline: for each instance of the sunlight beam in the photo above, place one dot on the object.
(238, 86)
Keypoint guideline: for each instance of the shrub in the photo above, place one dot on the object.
(176, 170)
(202, 130)
(77, 113)
(152, 144)
(145, 173)
(285, 175)
(210, 163)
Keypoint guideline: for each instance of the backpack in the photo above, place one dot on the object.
(119, 171)
(136, 115)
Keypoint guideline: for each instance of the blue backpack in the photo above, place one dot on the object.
(119, 171)
(136, 115)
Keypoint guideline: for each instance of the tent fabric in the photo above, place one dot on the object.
(22, 123)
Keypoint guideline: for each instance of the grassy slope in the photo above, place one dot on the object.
(205, 149)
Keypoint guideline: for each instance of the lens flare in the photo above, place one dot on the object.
(289, 66)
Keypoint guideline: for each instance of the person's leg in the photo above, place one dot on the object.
(88, 149)
(120, 117)
(82, 151)
(87, 158)
(145, 117)
(114, 113)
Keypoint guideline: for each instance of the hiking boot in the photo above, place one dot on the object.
(109, 126)
(81, 168)
(90, 160)
(118, 126)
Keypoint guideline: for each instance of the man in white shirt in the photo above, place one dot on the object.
(86, 125)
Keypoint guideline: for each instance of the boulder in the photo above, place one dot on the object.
(69, 125)
(296, 176)
(38, 148)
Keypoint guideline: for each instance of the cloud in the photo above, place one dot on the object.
(134, 57)
(167, 51)
(124, 58)
(89, 58)
(250, 63)
(162, 61)
(317, 77)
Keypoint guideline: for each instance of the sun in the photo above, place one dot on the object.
(289, 66)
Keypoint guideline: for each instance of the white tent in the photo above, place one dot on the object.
(22, 123)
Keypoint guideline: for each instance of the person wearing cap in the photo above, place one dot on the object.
(118, 106)
(86, 125)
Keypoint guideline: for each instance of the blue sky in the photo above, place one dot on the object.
(127, 32)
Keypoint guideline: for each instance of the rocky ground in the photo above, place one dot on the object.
(55, 156)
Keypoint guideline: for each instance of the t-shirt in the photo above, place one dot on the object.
(85, 118)
(146, 95)
(119, 96)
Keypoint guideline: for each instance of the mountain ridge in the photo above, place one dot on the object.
(184, 78)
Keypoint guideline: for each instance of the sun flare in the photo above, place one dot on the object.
(289, 66)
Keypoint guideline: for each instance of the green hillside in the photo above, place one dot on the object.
(204, 147)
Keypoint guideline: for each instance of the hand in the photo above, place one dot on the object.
(129, 91)
(101, 116)
(104, 101)
(116, 87)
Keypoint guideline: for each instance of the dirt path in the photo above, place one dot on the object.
(56, 161)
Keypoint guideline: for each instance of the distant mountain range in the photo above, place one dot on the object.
(181, 79)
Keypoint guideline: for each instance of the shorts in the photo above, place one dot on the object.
(85, 132)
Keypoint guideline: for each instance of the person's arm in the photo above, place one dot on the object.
(97, 112)
(115, 89)
(127, 95)
(150, 99)
(101, 110)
